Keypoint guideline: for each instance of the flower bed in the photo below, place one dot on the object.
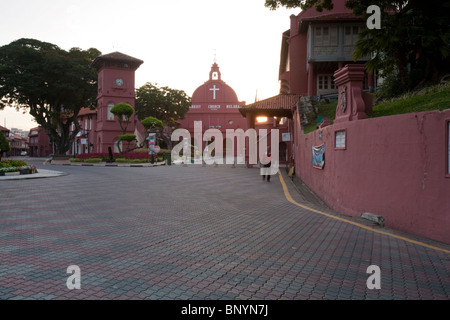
(140, 156)
(16, 166)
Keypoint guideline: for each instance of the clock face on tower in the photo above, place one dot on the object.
(119, 82)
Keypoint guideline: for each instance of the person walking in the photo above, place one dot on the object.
(267, 160)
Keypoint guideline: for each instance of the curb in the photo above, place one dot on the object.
(104, 164)
(39, 175)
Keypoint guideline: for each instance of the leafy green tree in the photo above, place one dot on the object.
(154, 125)
(152, 122)
(123, 112)
(303, 4)
(413, 44)
(53, 84)
(4, 145)
(163, 103)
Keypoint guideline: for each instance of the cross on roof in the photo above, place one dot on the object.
(214, 89)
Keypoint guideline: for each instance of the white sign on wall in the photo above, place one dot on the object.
(286, 136)
(341, 137)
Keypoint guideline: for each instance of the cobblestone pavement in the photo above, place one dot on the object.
(200, 233)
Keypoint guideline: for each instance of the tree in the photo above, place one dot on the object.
(4, 145)
(53, 84)
(413, 44)
(152, 123)
(123, 112)
(303, 4)
(166, 104)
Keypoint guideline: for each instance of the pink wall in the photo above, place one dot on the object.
(393, 166)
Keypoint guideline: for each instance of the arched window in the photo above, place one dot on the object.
(110, 115)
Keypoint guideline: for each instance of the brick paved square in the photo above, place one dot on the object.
(196, 233)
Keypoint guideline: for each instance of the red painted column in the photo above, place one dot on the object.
(311, 82)
(351, 104)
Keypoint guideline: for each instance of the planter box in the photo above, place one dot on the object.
(27, 171)
(12, 173)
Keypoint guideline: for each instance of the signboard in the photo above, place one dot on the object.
(341, 137)
(156, 149)
(84, 141)
(286, 136)
(151, 142)
(318, 156)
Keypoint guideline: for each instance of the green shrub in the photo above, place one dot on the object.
(17, 163)
(122, 109)
(149, 121)
(146, 160)
(75, 160)
(93, 160)
(127, 137)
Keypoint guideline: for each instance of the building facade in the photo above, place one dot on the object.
(39, 143)
(316, 45)
(18, 144)
(100, 129)
(216, 106)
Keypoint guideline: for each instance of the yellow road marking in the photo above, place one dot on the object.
(291, 200)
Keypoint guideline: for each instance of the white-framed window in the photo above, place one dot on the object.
(325, 82)
(110, 115)
(351, 34)
(326, 36)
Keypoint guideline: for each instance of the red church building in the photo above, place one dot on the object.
(217, 106)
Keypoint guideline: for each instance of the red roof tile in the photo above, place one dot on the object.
(280, 105)
(85, 111)
(116, 57)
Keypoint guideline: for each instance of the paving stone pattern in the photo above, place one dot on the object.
(200, 233)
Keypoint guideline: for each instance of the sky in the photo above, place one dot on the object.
(178, 40)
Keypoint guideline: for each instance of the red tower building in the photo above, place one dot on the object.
(116, 84)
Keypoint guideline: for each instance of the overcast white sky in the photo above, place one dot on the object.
(177, 39)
